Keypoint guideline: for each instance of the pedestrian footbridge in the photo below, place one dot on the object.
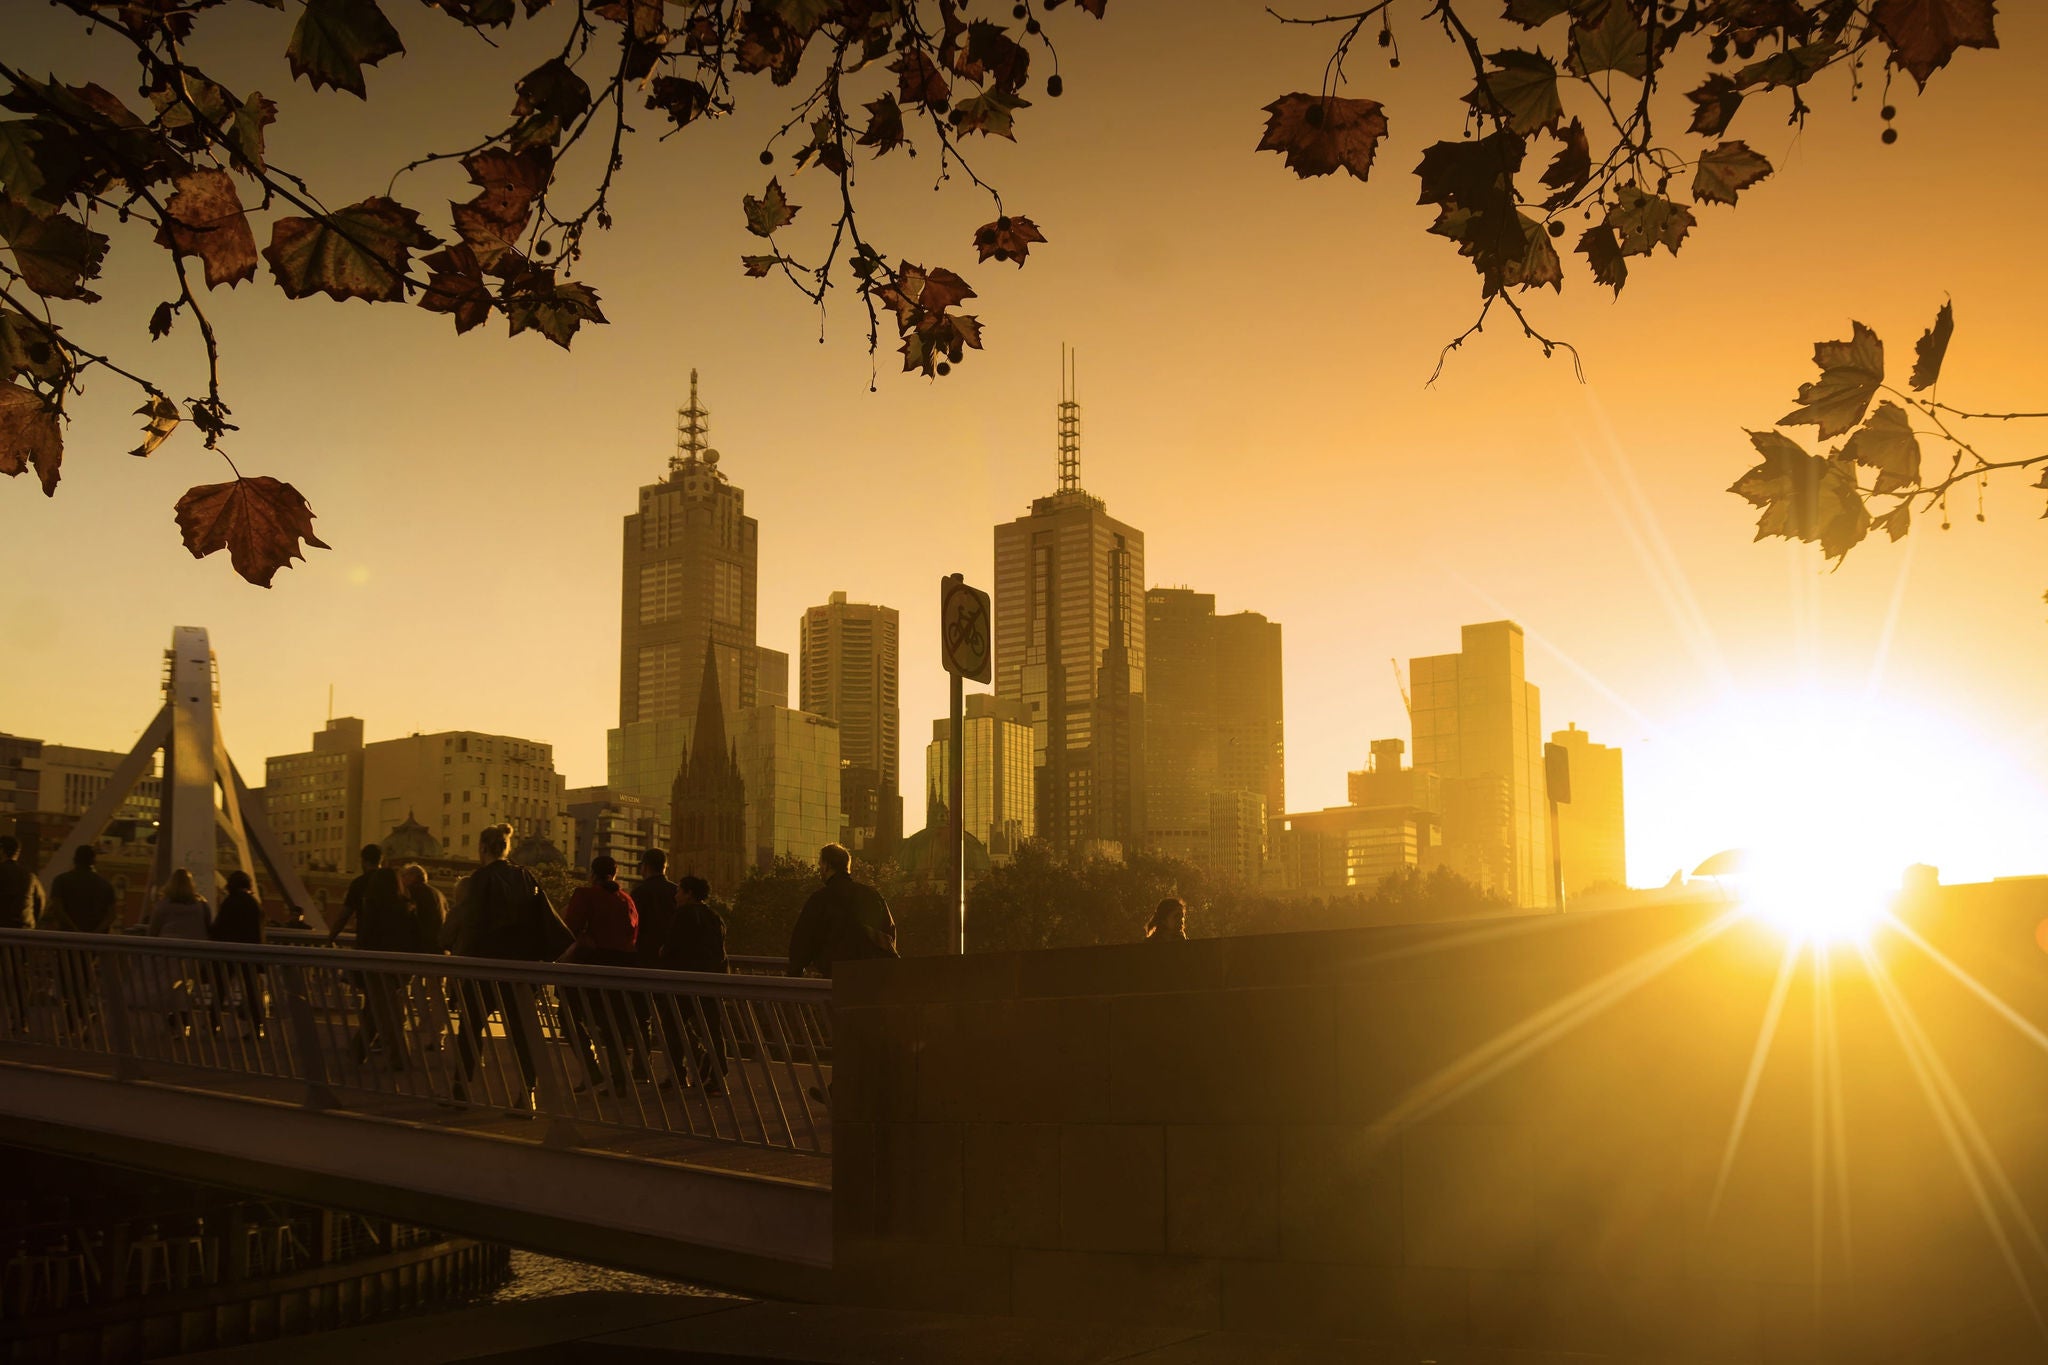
(670, 1123)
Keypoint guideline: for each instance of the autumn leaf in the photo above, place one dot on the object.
(336, 39)
(536, 300)
(55, 254)
(757, 267)
(993, 57)
(205, 219)
(1887, 444)
(30, 437)
(917, 291)
(455, 285)
(771, 212)
(1616, 43)
(919, 80)
(160, 419)
(1803, 497)
(1924, 34)
(990, 113)
(1897, 522)
(885, 124)
(1642, 221)
(30, 347)
(1571, 168)
(1929, 351)
(1473, 185)
(1727, 168)
(1791, 68)
(1538, 265)
(682, 100)
(24, 147)
(1536, 13)
(258, 521)
(1850, 372)
(1319, 135)
(1521, 88)
(1008, 238)
(360, 252)
(1714, 103)
(245, 132)
(1602, 250)
(160, 321)
(492, 223)
(550, 98)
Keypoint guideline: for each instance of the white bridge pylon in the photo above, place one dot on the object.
(204, 796)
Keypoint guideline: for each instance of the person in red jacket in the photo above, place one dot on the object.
(606, 924)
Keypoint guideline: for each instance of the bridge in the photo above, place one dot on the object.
(670, 1123)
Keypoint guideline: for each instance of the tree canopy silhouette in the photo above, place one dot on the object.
(187, 165)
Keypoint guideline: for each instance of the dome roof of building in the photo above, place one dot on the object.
(537, 851)
(410, 840)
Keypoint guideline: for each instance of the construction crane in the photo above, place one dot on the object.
(1402, 683)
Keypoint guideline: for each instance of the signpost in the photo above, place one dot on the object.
(1557, 778)
(966, 645)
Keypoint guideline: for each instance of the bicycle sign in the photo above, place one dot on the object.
(964, 630)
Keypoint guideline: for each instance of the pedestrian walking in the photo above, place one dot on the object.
(21, 891)
(697, 944)
(239, 920)
(606, 925)
(843, 921)
(428, 995)
(500, 912)
(181, 913)
(81, 901)
(376, 904)
(1169, 922)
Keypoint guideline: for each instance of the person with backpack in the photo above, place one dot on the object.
(239, 920)
(500, 912)
(429, 912)
(696, 943)
(606, 924)
(843, 921)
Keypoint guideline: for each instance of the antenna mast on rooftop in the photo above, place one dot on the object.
(692, 426)
(1069, 425)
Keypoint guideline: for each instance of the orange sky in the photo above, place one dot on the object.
(1253, 351)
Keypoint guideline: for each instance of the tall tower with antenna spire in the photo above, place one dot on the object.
(690, 557)
(1069, 424)
(1070, 646)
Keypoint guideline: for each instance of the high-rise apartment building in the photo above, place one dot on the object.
(848, 653)
(689, 573)
(457, 782)
(790, 762)
(1477, 725)
(998, 803)
(62, 779)
(1591, 831)
(1213, 722)
(314, 800)
(617, 824)
(1070, 645)
(771, 677)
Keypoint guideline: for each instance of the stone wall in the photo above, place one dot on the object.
(1502, 1134)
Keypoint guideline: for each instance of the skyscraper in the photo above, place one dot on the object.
(1477, 724)
(690, 557)
(1070, 646)
(708, 797)
(1213, 725)
(1591, 832)
(790, 761)
(997, 803)
(848, 656)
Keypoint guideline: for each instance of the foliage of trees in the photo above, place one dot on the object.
(1569, 114)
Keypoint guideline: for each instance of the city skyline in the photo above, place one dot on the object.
(1590, 514)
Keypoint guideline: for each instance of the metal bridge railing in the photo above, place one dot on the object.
(734, 1058)
(742, 964)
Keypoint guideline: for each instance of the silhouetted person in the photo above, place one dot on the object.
(606, 924)
(500, 912)
(654, 896)
(180, 914)
(697, 944)
(843, 921)
(377, 905)
(429, 915)
(240, 920)
(81, 901)
(1168, 922)
(21, 892)
(295, 918)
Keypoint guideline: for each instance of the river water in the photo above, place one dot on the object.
(543, 1277)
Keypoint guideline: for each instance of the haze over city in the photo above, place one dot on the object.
(1252, 356)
